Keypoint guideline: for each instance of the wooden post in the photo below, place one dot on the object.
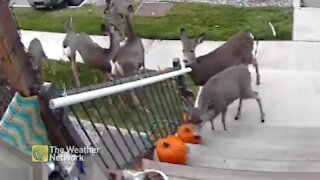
(18, 70)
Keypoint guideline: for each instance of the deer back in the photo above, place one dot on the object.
(93, 55)
(221, 90)
(236, 50)
(36, 53)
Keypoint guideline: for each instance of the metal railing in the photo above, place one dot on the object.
(105, 117)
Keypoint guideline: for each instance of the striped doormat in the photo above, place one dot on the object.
(22, 126)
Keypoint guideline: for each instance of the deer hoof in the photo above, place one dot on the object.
(262, 120)
(236, 118)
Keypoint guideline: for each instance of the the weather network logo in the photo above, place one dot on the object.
(40, 153)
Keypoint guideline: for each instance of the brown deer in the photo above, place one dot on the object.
(219, 92)
(130, 57)
(92, 54)
(113, 9)
(236, 50)
(37, 55)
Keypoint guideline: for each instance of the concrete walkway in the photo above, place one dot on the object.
(306, 24)
(288, 55)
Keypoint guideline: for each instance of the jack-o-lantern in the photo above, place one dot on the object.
(186, 134)
(171, 150)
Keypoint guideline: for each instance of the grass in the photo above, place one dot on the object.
(218, 22)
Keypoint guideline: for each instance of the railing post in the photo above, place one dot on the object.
(185, 92)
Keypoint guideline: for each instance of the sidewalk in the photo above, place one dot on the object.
(159, 53)
(306, 23)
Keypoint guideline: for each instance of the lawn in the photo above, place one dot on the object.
(218, 22)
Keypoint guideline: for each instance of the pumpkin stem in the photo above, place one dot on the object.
(166, 145)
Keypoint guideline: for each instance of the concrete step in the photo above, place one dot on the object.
(192, 172)
(255, 153)
(243, 136)
(254, 165)
(239, 130)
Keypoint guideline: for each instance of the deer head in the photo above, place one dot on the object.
(113, 32)
(197, 117)
(70, 39)
(115, 12)
(189, 46)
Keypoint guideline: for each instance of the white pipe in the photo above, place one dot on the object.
(98, 93)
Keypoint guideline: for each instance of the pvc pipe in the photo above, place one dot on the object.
(98, 93)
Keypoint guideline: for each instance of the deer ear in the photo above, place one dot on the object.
(200, 38)
(130, 9)
(121, 15)
(183, 34)
(186, 117)
(69, 24)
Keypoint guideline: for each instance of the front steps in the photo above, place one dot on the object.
(247, 152)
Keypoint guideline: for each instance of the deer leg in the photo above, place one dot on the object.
(75, 73)
(223, 118)
(256, 96)
(121, 100)
(212, 125)
(258, 99)
(108, 78)
(136, 101)
(256, 66)
(239, 110)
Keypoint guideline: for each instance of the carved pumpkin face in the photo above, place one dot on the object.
(171, 150)
(187, 135)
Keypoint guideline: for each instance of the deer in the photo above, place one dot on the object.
(238, 49)
(130, 58)
(36, 56)
(92, 54)
(113, 9)
(219, 92)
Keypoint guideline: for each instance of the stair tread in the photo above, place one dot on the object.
(255, 164)
(261, 143)
(262, 153)
(239, 130)
(192, 172)
(274, 137)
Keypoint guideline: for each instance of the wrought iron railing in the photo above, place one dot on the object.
(122, 131)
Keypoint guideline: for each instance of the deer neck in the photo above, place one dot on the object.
(114, 43)
(129, 29)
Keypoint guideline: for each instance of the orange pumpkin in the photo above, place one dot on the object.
(171, 150)
(173, 137)
(186, 134)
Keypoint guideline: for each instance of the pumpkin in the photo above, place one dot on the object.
(186, 134)
(171, 150)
